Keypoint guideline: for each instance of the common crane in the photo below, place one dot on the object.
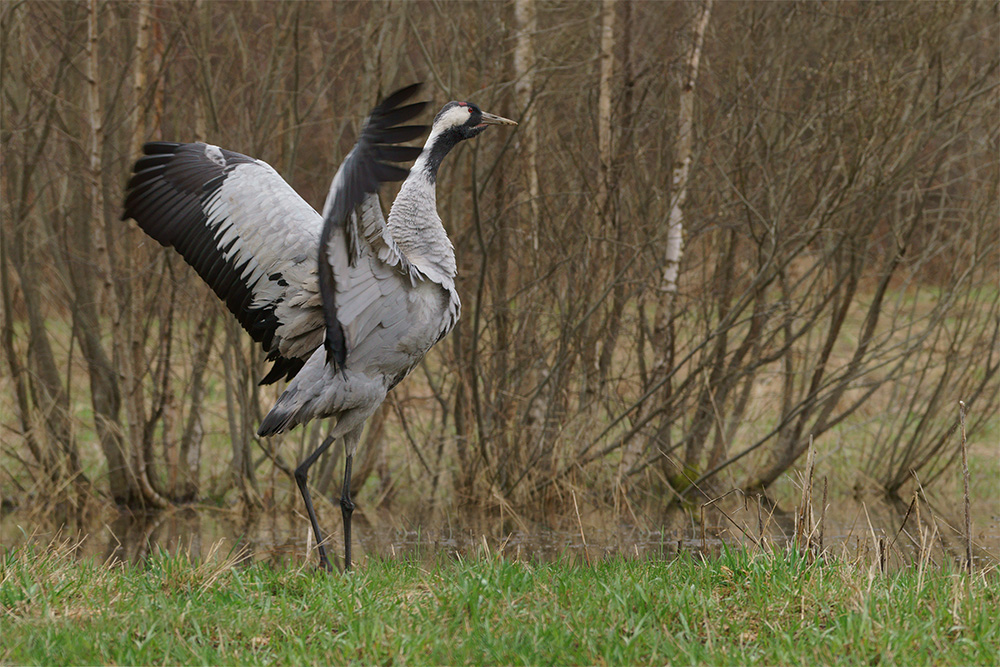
(345, 304)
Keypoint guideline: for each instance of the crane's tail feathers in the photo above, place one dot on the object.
(278, 420)
(286, 413)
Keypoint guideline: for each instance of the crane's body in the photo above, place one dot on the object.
(345, 303)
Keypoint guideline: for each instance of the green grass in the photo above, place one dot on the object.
(740, 608)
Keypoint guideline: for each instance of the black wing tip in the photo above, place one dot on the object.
(389, 172)
(384, 132)
(392, 153)
(334, 342)
(283, 368)
(154, 159)
(386, 119)
(336, 346)
(159, 147)
(398, 96)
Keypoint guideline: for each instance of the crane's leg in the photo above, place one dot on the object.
(346, 504)
(347, 509)
(300, 480)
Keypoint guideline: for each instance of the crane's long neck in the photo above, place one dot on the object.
(413, 219)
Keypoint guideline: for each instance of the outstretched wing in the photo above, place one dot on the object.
(363, 277)
(246, 232)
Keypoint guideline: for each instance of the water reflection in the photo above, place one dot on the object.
(896, 531)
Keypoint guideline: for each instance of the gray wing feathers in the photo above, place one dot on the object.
(266, 224)
(390, 311)
(370, 292)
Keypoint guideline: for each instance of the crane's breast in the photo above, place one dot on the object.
(399, 323)
(427, 319)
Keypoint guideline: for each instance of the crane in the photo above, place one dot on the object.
(345, 303)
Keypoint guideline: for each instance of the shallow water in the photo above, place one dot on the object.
(866, 530)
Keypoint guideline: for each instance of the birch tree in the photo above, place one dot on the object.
(526, 19)
(605, 93)
(661, 340)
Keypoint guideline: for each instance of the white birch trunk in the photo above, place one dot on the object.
(526, 19)
(143, 26)
(682, 166)
(673, 252)
(123, 338)
(596, 261)
(95, 141)
(607, 60)
(126, 337)
(200, 116)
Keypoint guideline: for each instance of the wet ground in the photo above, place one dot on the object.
(873, 529)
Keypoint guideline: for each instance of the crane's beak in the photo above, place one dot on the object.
(490, 119)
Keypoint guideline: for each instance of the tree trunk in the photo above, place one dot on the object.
(88, 248)
(127, 339)
(661, 338)
(526, 19)
(605, 92)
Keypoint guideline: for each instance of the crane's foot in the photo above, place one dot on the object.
(324, 564)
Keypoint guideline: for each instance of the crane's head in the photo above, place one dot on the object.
(464, 120)
(457, 121)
